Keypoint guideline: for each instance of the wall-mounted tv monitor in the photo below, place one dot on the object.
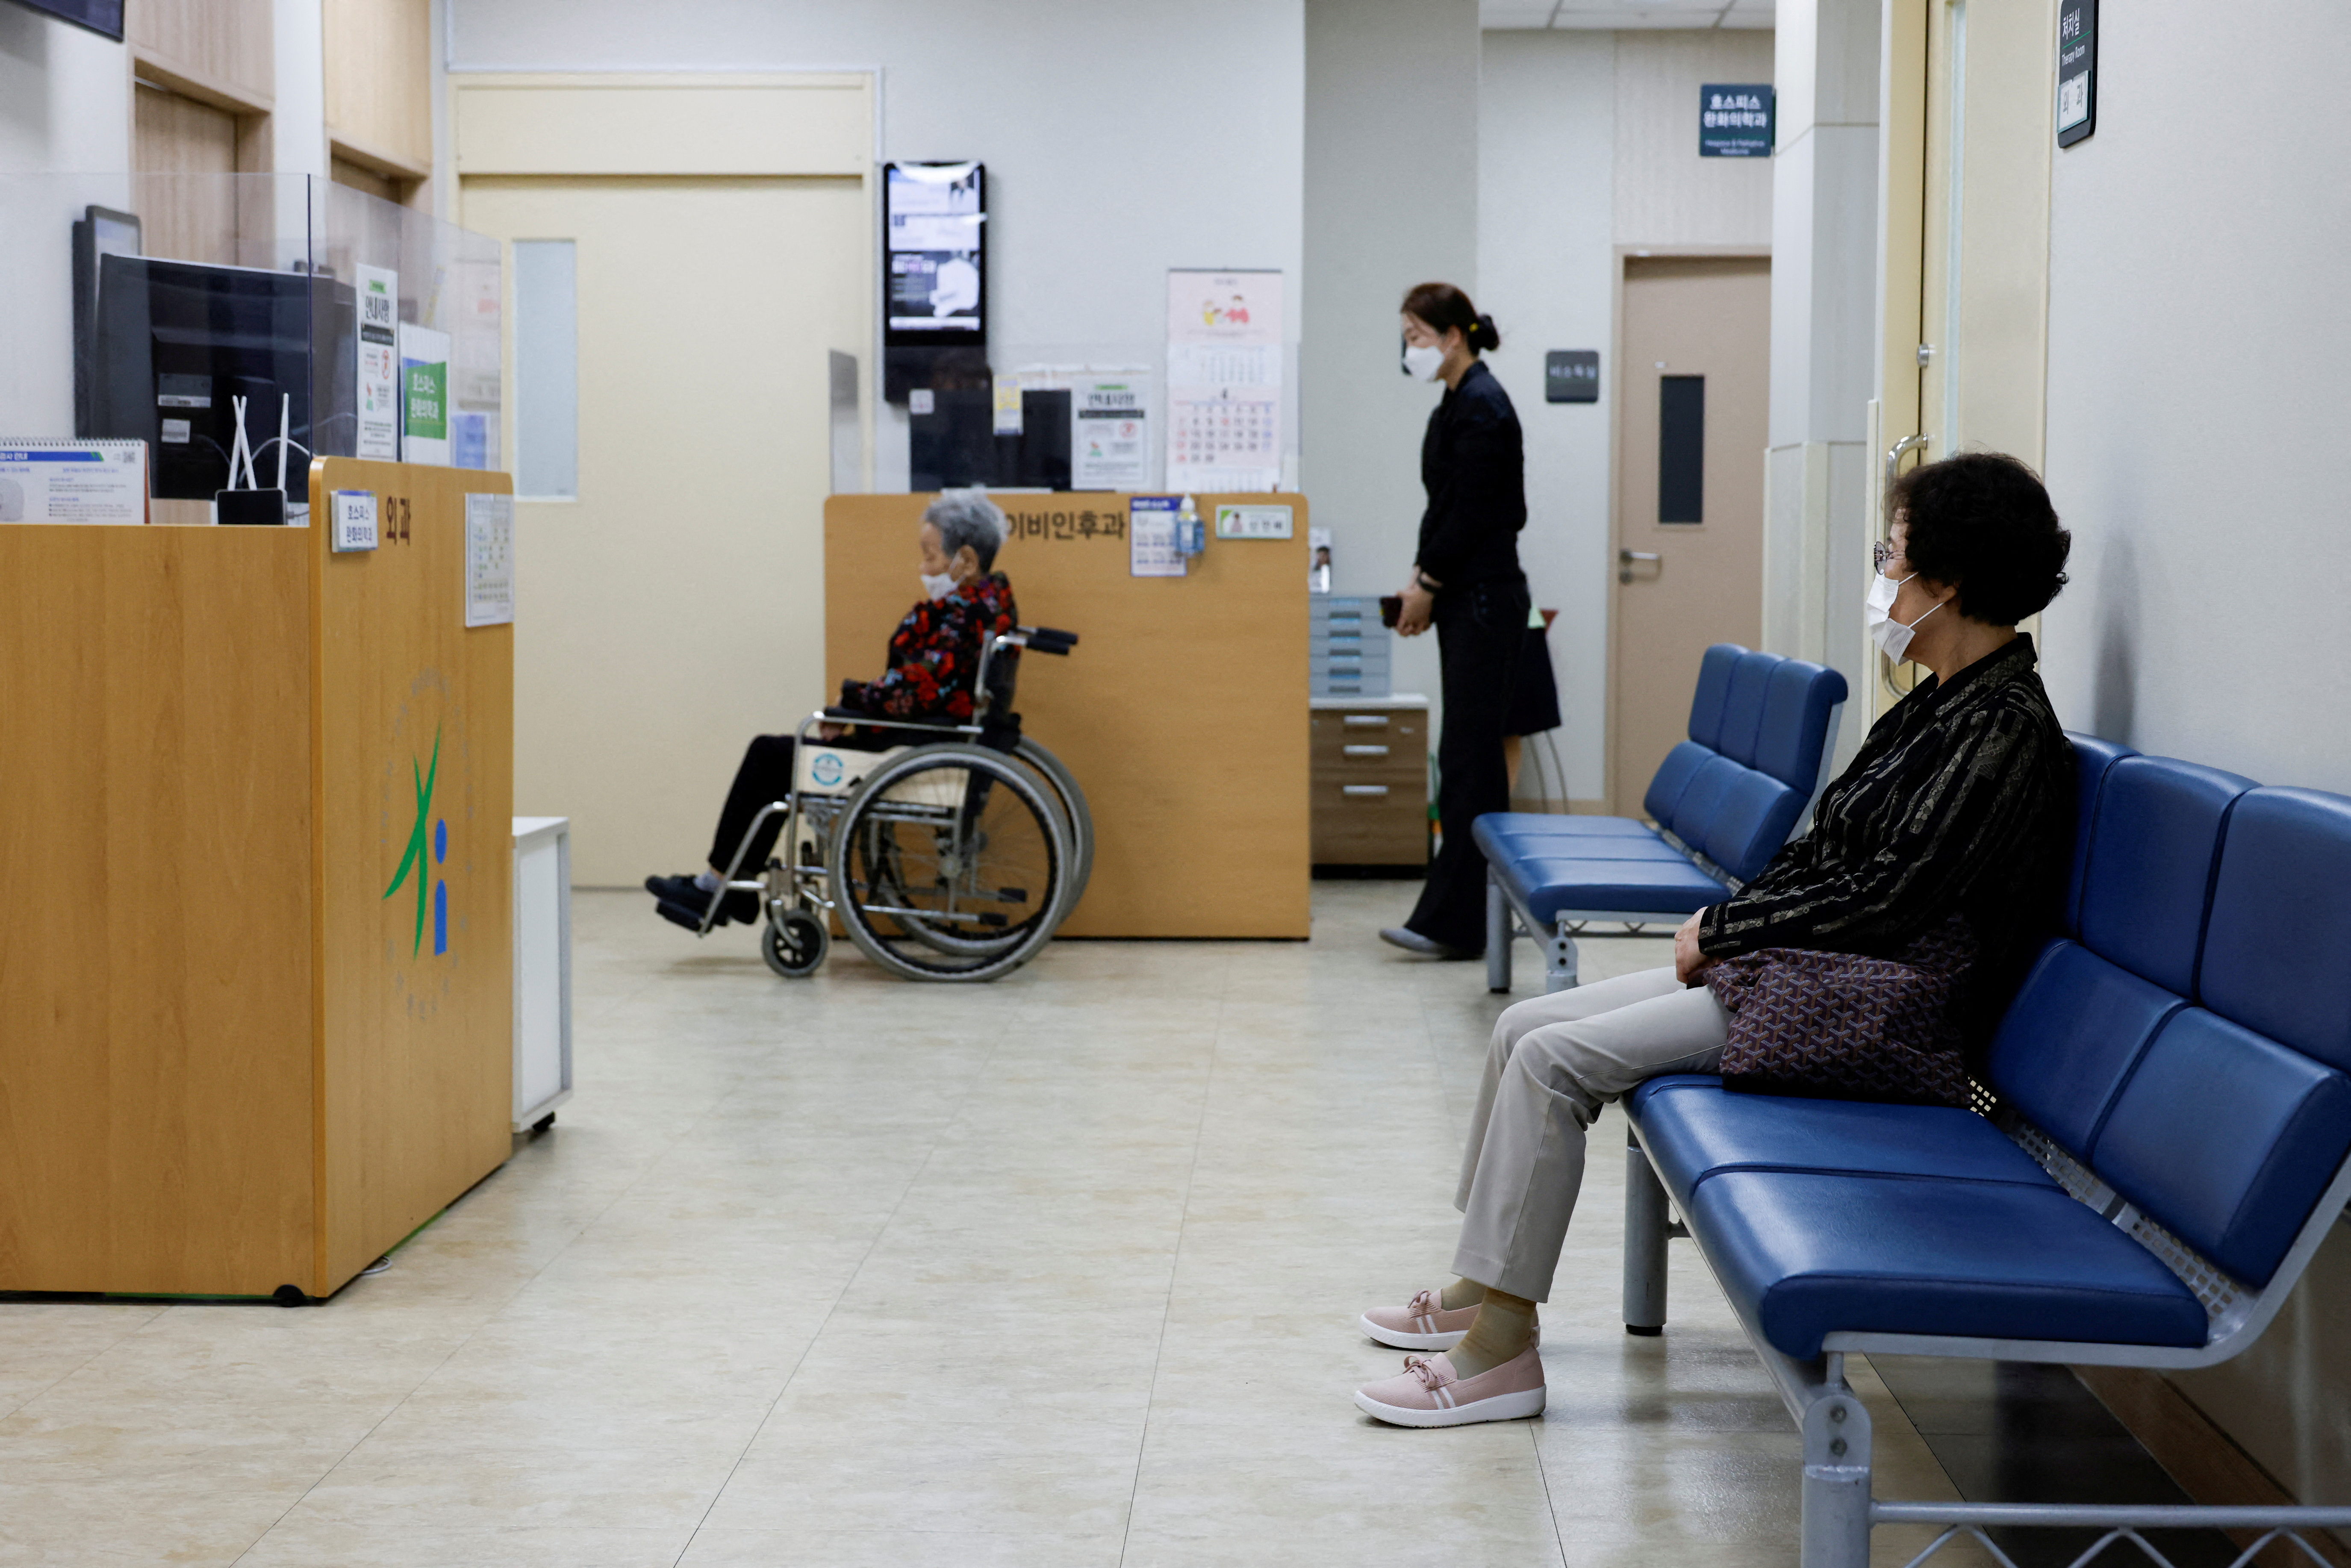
(176, 341)
(103, 17)
(933, 256)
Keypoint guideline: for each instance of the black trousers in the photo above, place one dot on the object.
(1479, 633)
(765, 774)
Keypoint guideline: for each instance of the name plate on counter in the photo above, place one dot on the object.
(1236, 522)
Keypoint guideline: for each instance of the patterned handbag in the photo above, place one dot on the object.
(1845, 1026)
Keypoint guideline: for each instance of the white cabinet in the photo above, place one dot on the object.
(542, 969)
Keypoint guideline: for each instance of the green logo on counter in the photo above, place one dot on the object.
(425, 850)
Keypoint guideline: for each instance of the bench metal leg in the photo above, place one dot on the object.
(1559, 961)
(1836, 1511)
(1647, 1221)
(1501, 929)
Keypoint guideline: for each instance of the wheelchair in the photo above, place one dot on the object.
(952, 855)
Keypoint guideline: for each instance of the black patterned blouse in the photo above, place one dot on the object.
(935, 654)
(1959, 804)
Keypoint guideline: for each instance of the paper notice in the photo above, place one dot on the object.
(1152, 547)
(378, 357)
(489, 561)
(73, 481)
(1109, 441)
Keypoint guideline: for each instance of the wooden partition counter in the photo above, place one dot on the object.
(255, 969)
(1177, 712)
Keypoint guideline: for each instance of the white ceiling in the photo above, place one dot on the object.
(1626, 14)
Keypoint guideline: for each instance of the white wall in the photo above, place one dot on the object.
(2198, 337)
(1546, 273)
(1823, 321)
(1390, 199)
(65, 98)
(1121, 139)
(1587, 145)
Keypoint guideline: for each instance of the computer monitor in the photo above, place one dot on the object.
(176, 340)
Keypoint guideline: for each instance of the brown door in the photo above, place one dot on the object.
(1689, 493)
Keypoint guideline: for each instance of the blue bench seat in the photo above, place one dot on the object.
(1812, 1253)
(1724, 801)
(2171, 1142)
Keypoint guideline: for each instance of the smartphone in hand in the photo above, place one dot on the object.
(1391, 610)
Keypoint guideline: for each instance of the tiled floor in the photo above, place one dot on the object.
(1061, 1270)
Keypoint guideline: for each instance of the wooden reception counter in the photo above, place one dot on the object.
(1178, 712)
(256, 819)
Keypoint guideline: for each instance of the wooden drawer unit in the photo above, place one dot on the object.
(1370, 788)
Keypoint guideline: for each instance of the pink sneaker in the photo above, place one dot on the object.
(1430, 1395)
(1421, 1324)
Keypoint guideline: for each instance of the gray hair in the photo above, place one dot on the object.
(968, 518)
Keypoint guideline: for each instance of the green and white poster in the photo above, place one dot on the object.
(379, 357)
(423, 394)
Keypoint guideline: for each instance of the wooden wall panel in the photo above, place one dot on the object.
(227, 46)
(1182, 711)
(155, 906)
(179, 148)
(380, 81)
(416, 1036)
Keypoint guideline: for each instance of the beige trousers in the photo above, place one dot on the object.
(1553, 1062)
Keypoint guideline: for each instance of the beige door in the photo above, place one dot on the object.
(1696, 358)
(675, 608)
(1968, 284)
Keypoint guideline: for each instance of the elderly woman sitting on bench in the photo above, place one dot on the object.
(933, 662)
(1868, 959)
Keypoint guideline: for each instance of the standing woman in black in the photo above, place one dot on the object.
(1466, 582)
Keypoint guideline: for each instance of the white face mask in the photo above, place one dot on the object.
(1892, 637)
(937, 587)
(1422, 361)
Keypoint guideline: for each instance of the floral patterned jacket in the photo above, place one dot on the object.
(935, 654)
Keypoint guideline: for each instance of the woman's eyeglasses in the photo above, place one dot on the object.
(1880, 553)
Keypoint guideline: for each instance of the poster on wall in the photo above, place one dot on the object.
(1224, 381)
(378, 357)
(1110, 431)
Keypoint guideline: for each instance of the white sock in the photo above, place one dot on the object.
(707, 880)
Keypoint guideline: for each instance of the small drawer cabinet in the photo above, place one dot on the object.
(1370, 779)
(1346, 648)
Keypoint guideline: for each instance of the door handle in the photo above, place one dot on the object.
(1624, 572)
(1363, 751)
(1364, 788)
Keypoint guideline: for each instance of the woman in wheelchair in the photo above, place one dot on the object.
(933, 663)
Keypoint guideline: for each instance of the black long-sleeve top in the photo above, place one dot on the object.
(1473, 464)
(1960, 801)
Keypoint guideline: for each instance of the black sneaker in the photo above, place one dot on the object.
(683, 893)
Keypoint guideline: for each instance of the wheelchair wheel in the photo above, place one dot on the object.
(948, 864)
(1076, 818)
(794, 944)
